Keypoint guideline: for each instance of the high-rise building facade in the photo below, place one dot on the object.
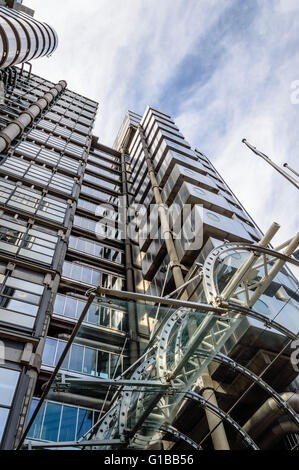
(192, 298)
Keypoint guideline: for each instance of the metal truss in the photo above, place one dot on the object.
(224, 416)
(233, 365)
(183, 344)
(245, 281)
(180, 436)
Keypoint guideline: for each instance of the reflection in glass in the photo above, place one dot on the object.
(51, 422)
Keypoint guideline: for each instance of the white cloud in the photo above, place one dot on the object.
(287, 6)
(124, 54)
(249, 96)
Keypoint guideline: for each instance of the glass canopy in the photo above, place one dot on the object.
(182, 342)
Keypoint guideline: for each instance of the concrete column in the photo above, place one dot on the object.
(218, 436)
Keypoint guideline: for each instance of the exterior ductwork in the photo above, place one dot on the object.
(9, 133)
(268, 414)
(277, 433)
(22, 38)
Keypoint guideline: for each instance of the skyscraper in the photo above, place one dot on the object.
(135, 258)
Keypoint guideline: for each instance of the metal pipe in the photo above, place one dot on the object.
(240, 273)
(219, 439)
(291, 169)
(277, 433)
(274, 165)
(132, 317)
(78, 400)
(54, 445)
(268, 413)
(16, 127)
(266, 281)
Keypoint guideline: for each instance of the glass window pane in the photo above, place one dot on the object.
(8, 383)
(36, 427)
(68, 424)
(116, 319)
(103, 365)
(60, 348)
(3, 419)
(17, 306)
(49, 352)
(115, 365)
(93, 314)
(84, 422)
(51, 422)
(105, 317)
(90, 357)
(59, 304)
(76, 358)
(70, 307)
(65, 364)
(80, 307)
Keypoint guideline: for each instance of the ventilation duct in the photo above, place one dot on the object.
(22, 38)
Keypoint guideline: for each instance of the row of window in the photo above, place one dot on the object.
(82, 111)
(38, 174)
(97, 194)
(33, 243)
(72, 124)
(100, 182)
(72, 115)
(69, 95)
(87, 205)
(101, 229)
(63, 131)
(60, 423)
(92, 276)
(103, 161)
(97, 314)
(96, 249)
(19, 301)
(44, 155)
(8, 384)
(28, 200)
(58, 143)
(83, 360)
(102, 172)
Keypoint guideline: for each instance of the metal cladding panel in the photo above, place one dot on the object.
(23, 38)
(180, 174)
(208, 199)
(9, 43)
(171, 159)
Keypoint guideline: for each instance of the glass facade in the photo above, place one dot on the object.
(61, 423)
(91, 276)
(82, 359)
(8, 384)
(98, 315)
(19, 301)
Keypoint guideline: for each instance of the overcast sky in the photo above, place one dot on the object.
(222, 68)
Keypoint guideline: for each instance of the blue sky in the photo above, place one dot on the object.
(222, 68)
